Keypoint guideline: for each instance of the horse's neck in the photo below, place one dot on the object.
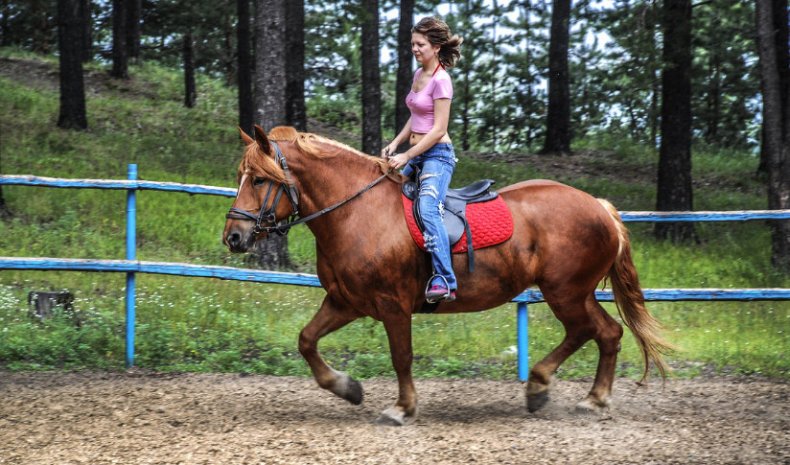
(326, 182)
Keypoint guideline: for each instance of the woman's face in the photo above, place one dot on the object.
(422, 49)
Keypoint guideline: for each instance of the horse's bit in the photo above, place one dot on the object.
(268, 215)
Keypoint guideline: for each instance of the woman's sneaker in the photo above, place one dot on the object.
(439, 293)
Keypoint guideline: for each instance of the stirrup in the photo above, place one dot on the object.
(448, 296)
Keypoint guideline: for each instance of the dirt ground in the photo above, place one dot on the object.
(148, 418)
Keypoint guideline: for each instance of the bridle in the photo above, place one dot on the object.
(269, 215)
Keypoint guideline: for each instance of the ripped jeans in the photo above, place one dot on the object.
(436, 167)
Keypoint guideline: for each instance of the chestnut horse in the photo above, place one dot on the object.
(564, 241)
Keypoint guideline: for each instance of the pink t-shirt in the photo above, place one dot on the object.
(421, 103)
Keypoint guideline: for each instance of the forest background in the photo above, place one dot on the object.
(612, 112)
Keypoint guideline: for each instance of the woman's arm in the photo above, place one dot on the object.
(402, 136)
(441, 118)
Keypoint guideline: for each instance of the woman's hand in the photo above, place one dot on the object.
(399, 160)
(389, 150)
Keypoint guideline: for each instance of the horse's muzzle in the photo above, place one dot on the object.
(238, 241)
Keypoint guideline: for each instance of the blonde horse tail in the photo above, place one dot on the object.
(631, 302)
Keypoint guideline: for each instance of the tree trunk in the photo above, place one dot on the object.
(405, 59)
(714, 99)
(371, 80)
(674, 166)
(133, 12)
(558, 121)
(5, 12)
(190, 89)
(5, 212)
(781, 37)
(229, 57)
(655, 83)
(246, 103)
(465, 106)
(295, 104)
(779, 28)
(120, 58)
(72, 88)
(776, 145)
(270, 63)
(270, 103)
(41, 40)
(494, 121)
(87, 34)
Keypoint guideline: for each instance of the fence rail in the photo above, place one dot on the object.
(131, 266)
(120, 184)
(529, 296)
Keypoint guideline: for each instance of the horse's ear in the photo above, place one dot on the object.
(245, 137)
(263, 141)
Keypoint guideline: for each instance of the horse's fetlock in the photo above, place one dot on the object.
(327, 382)
(537, 385)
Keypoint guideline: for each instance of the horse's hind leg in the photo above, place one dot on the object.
(578, 330)
(607, 336)
(583, 319)
(328, 318)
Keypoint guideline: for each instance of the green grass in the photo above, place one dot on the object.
(200, 324)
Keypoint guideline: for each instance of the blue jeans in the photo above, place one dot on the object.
(436, 168)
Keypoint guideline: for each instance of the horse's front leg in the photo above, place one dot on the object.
(329, 317)
(398, 327)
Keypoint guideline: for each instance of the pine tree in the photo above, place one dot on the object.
(270, 102)
(72, 88)
(776, 130)
(674, 166)
(244, 74)
(405, 63)
(371, 80)
(190, 88)
(558, 120)
(296, 112)
(120, 54)
(133, 34)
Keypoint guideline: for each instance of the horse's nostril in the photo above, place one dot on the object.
(234, 239)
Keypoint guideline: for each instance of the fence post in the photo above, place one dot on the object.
(522, 340)
(131, 254)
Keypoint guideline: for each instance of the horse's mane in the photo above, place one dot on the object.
(308, 143)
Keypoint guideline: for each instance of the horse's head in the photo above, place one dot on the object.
(265, 196)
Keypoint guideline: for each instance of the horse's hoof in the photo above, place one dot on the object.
(591, 407)
(537, 401)
(347, 388)
(393, 416)
(354, 392)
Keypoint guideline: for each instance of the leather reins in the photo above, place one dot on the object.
(268, 215)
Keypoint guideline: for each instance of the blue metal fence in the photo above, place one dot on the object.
(131, 266)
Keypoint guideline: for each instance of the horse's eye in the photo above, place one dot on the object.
(258, 181)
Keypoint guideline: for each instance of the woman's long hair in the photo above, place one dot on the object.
(438, 33)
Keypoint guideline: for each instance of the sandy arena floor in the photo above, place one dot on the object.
(144, 418)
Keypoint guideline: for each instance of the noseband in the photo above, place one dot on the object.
(269, 215)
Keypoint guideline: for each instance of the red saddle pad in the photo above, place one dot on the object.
(491, 224)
